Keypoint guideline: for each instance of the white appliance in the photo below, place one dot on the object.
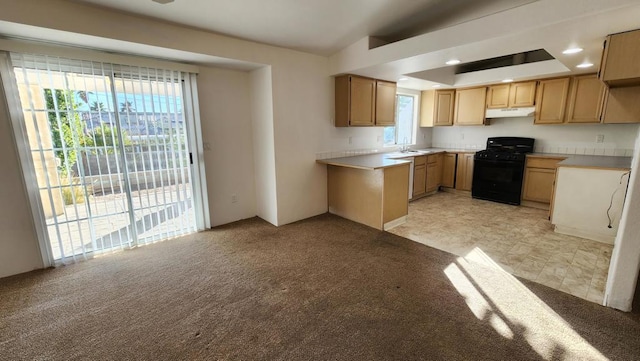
(511, 112)
(412, 159)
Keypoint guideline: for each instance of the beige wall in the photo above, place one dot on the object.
(625, 260)
(225, 115)
(264, 160)
(19, 250)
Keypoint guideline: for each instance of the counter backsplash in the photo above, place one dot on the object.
(574, 148)
(557, 148)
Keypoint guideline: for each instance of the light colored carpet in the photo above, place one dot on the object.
(323, 289)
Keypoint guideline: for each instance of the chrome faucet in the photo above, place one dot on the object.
(405, 146)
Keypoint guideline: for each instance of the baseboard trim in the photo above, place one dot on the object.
(456, 191)
(396, 222)
(582, 233)
(537, 205)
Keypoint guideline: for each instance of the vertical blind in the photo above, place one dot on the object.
(111, 148)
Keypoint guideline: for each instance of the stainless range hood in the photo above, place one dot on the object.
(511, 112)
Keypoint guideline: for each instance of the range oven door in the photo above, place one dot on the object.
(498, 180)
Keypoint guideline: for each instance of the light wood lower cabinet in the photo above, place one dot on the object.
(538, 185)
(432, 177)
(434, 172)
(539, 177)
(464, 173)
(419, 180)
(449, 169)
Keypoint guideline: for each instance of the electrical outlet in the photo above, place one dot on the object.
(600, 138)
(234, 198)
(462, 136)
(350, 140)
(206, 146)
(379, 139)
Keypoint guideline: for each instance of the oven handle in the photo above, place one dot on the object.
(498, 162)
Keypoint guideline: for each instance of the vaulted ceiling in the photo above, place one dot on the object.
(320, 27)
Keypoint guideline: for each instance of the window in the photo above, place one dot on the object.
(404, 130)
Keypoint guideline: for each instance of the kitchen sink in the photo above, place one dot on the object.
(409, 153)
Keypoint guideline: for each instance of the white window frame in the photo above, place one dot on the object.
(416, 111)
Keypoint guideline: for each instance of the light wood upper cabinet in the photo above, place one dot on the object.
(498, 96)
(449, 169)
(551, 101)
(385, 103)
(363, 101)
(619, 65)
(622, 105)
(470, 107)
(586, 99)
(464, 172)
(419, 180)
(522, 94)
(436, 107)
(513, 95)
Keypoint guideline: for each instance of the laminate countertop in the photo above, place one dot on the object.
(588, 161)
(369, 161)
(385, 160)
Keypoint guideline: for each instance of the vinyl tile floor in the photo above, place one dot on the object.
(519, 239)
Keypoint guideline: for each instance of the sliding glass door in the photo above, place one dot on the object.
(110, 150)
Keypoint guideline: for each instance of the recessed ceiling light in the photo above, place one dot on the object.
(436, 85)
(572, 51)
(163, 1)
(453, 62)
(584, 65)
(508, 80)
(403, 79)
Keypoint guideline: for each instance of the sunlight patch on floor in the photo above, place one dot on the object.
(514, 312)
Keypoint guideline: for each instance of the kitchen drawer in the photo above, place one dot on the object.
(548, 163)
(421, 160)
(433, 158)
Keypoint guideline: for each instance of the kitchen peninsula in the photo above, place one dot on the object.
(369, 189)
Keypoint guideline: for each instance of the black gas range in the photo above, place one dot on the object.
(498, 171)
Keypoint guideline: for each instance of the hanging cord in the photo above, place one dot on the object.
(613, 195)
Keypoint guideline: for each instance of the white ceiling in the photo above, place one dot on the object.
(316, 26)
(420, 35)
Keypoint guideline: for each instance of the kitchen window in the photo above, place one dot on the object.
(404, 132)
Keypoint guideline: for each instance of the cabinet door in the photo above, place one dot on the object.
(470, 106)
(464, 173)
(538, 184)
(498, 96)
(432, 177)
(622, 105)
(551, 101)
(522, 94)
(439, 169)
(620, 64)
(419, 180)
(449, 169)
(443, 112)
(385, 103)
(362, 106)
(586, 99)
